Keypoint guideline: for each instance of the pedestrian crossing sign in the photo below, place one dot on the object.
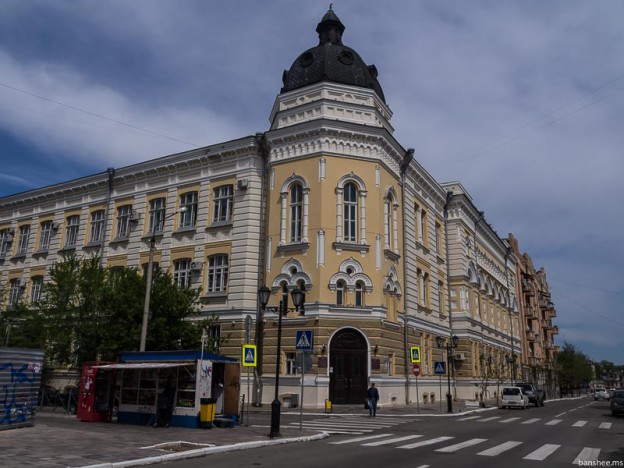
(250, 356)
(415, 353)
(439, 367)
(304, 340)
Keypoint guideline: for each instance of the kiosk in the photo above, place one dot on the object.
(142, 378)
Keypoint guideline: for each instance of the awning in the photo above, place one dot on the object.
(143, 365)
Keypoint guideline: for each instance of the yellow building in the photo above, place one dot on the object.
(327, 201)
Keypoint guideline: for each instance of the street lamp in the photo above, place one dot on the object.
(449, 354)
(511, 362)
(298, 297)
(148, 286)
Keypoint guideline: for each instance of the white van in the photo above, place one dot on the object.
(514, 397)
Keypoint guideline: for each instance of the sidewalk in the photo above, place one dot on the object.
(61, 440)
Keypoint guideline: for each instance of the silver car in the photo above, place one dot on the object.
(601, 394)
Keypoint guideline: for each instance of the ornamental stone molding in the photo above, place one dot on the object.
(350, 272)
(292, 273)
(392, 282)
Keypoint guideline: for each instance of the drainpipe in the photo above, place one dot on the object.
(449, 197)
(263, 152)
(407, 159)
(109, 196)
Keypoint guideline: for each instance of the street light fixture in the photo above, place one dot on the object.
(148, 286)
(449, 354)
(298, 297)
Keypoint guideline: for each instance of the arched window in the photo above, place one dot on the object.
(359, 294)
(340, 290)
(296, 212)
(350, 212)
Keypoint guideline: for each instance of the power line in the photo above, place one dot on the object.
(588, 287)
(99, 116)
(590, 310)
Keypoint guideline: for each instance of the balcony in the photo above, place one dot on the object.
(546, 323)
(555, 330)
(531, 336)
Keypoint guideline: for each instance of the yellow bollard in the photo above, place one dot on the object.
(328, 406)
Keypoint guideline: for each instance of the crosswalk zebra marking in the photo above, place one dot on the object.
(469, 417)
(587, 454)
(542, 453)
(531, 421)
(498, 449)
(392, 441)
(554, 422)
(605, 425)
(426, 442)
(489, 419)
(361, 439)
(579, 423)
(461, 445)
(508, 420)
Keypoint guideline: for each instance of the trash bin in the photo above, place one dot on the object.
(207, 410)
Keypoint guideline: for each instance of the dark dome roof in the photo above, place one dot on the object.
(331, 61)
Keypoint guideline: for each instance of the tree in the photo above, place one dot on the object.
(574, 369)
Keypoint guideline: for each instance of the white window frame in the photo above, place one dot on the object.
(157, 208)
(182, 272)
(71, 231)
(45, 236)
(217, 273)
(291, 363)
(123, 221)
(341, 287)
(223, 201)
(4, 242)
(188, 217)
(24, 239)
(359, 294)
(350, 212)
(15, 291)
(296, 212)
(35, 289)
(97, 226)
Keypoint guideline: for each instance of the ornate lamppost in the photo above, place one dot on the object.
(449, 355)
(298, 297)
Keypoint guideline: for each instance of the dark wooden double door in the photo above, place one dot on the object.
(348, 377)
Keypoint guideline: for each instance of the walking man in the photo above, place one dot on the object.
(373, 397)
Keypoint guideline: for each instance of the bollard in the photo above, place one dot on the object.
(328, 406)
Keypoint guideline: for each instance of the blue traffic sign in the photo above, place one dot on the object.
(304, 340)
(439, 367)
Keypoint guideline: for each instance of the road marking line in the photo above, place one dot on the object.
(469, 417)
(336, 424)
(531, 421)
(391, 441)
(542, 452)
(489, 419)
(360, 439)
(423, 466)
(604, 425)
(498, 449)
(587, 454)
(508, 420)
(426, 442)
(573, 409)
(579, 423)
(461, 445)
(560, 414)
(554, 422)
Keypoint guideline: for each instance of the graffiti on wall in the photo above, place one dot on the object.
(18, 391)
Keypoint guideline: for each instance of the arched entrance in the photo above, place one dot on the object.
(348, 377)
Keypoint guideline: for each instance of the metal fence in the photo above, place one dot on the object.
(20, 377)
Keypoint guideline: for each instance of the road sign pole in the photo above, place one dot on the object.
(440, 381)
(417, 397)
(303, 366)
(248, 396)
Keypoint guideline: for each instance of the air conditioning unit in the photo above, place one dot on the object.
(242, 184)
(460, 357)
(55, 226)
(195, 266)
(135, 216)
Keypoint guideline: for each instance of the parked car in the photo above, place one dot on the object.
(617, 402)
(600, 393)
(514, 397)
(535, 394)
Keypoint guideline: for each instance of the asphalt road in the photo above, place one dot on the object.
(557, 434)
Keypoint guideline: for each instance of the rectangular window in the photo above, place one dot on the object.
(5, 240)
(441, 299)
(438, 238)
(71, 232)
(24, 239)
(182, 273)
(157, 215)
(188, 216)
(223, 200)
(15, 291)
(291, 363)
(423, 227)
(35, 291)
(213, 337)
(124, 213)
(217, 273)
(97, 226)
(45, 235)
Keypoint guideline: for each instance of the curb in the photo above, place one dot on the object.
(207, 451)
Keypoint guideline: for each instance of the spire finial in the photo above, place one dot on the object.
(331, 6)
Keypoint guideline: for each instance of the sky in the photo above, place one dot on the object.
(521, 101)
